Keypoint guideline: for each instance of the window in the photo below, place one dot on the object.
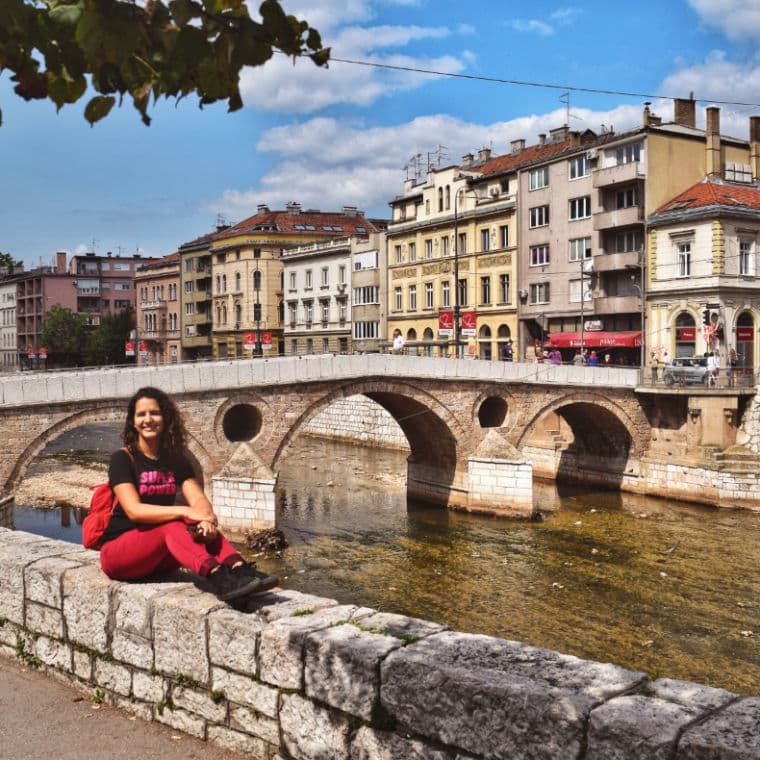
(308, 279)
(189, 286)
(399, 259)
(485, 240)
(218, 284)
(445, 294)
(366, 330)
(308, 310)
(539, 216)
(440, 199)
(224, 283)
(428, 295)
(463, 292)
(309, 345)
(369, 294)
(579, 249)
(631, 240)
(539, 255)
(445, 246)
(364, 260)
(398, 299)
(342, 274)
(539, 292)
(237, 282)
(683, 263)
(578, 167)
(292, 314)
(412, 298)
(427, 206)
(485, 290)
(539, 178)
(412, 251)
(747, 257)
(504, 288)
(121, 286)
(189, 265)
(324, 310)
(627, 198)
(292, 280)
(257, 253)
(428, 249)
(627, 154)
(448, 197)
(325, 277)
(462, 243)
(580, 208)
(504, 236)
(189, 309)
(574, 295)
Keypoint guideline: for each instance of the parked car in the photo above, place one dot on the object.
(686, 370)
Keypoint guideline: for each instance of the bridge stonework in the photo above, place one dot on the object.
(472, 427)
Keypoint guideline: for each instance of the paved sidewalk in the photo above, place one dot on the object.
(44, 719)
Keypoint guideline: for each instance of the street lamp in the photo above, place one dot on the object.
(257, 308)
(457, 305)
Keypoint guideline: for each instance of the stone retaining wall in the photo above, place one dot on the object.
(302, 677)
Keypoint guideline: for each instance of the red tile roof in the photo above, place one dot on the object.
(707, 193)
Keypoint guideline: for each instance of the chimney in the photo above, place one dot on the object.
(559, 134)
(484, 154)
(350, 211)
(60, 262)
(542, 139)
(467, 160)
(293, 208)
(262, 208)
(574, 138)
(685, 111)
(517, 146)
(645, 119)
(712, 158)
(754, 147)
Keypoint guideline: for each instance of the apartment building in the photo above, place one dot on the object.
(334, 291)
(248, 289)
(8, 351)
(451, 249)
(195, 296)
(158, 338)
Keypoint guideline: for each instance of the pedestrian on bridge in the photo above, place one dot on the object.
(148, 533)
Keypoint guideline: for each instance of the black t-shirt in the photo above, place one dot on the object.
(157, 482)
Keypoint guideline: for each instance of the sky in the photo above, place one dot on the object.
(348, 135)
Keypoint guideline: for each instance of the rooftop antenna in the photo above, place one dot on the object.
(94, 243)
(436, 157)
(565, 98)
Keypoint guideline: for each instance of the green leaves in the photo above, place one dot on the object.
(170, 50)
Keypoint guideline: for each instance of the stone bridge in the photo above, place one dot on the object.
(477, 430)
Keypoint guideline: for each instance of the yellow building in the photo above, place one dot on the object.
(451, 247)
(247, 273)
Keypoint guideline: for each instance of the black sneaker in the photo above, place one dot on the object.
(226, 586)
(248, 570)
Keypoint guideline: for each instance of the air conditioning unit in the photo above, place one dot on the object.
(494, 192)
(591, 154)
(523, 293)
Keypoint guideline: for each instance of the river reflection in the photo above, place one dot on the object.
(648, 584)
(645, 583)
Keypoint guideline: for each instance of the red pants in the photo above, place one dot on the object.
(162, 548)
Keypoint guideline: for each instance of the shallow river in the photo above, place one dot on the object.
(647, 584)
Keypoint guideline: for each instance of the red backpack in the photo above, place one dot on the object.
(102, 505)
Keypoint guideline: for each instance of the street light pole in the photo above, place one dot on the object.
(456, 276)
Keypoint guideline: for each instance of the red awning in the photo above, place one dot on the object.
(629, 339)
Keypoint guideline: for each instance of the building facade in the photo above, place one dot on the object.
(158, 328)
(195, 295)
(451, 250)
(8, 350)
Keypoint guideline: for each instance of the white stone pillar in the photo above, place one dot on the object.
(244, 504)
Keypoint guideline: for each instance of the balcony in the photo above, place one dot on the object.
(610, 262)
(617, 175)
(620, 217)
(88, 291)
(617, 305)
(158, 303)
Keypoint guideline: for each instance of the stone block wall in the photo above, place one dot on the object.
(243, 504)
(299, 677)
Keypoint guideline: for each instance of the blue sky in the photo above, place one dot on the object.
(342, 136)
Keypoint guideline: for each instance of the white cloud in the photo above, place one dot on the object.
(532, 25)
(739, 19)
(327, 163)
(719, 79)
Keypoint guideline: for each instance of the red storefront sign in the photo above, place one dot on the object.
(625, 339)
(745, 333)
(30, 352)
(686, 334)
(43, 352)
(445, 323)
(469, 323)
(142, 347)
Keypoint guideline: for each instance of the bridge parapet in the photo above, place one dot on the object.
(121, 382)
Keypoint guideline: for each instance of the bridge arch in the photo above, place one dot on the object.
(433, 431)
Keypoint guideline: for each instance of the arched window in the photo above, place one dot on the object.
(448, 197)
(256, 280)
(440, 199)
(686, 334)
(237, 282)
(745, 340)
(504, 333)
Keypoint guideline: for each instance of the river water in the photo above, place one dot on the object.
(648, 584)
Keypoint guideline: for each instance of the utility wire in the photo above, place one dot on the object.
(520, 83)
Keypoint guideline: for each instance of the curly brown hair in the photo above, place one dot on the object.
(173, 436)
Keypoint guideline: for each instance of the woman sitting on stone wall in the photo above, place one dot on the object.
(148, 533)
